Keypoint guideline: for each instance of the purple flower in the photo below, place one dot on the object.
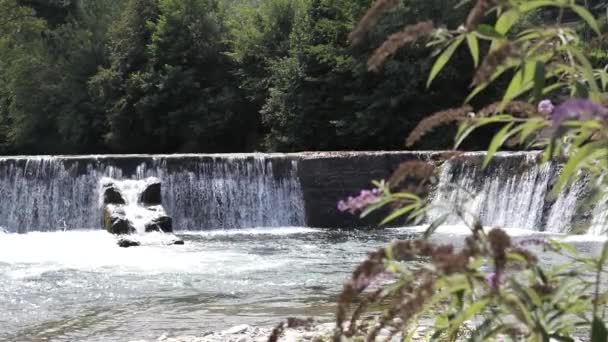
(493, 280)
(578, 109)
(359, 203)
(545, 107)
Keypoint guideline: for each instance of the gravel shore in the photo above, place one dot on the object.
(245, 333)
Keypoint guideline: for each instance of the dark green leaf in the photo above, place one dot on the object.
(436, 224)
(587, 17)
(539, 81)
(488, 31)
(443, 59)
(473, 48)
(498, 140)
(598, 330)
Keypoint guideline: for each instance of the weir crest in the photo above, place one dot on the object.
(202, 192)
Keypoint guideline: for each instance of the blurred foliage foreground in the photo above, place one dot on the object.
(553, 100)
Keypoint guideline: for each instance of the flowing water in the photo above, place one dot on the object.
(58, 283)
(199, 192)
(202, 192)
(80, 286)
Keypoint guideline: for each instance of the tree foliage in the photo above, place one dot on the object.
(85, 76)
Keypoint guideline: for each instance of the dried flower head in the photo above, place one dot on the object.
(492, 61)
(370, 17)
(499, 241)
(516, 108)
(438, 119)
(477, 14)
(292, 322)
(415, 169)
(397, 40)
(543, 289)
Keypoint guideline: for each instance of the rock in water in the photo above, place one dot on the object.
(151, 195)
(126, 242)
(111, 194)
(161, 223)
(133, 206)
(239, 329)
(116, 222)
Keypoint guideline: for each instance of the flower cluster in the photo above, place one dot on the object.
(493, 280)
(545, 107)
(578, 109)
(573, 109)
(365, 198)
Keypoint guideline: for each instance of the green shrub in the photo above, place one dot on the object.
(494, 282)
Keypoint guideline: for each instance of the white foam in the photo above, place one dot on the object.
(463, 230)
(131, 190)
(36, 253)
(254, 231)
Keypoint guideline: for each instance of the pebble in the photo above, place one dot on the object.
(243, 338)
(247, 333)
(236, 329)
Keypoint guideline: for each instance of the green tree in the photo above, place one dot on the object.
(259, 37)
(169, 87)
(46, 107)
(53, 12)
(322, 97)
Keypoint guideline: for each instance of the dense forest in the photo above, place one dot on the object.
(165, 76)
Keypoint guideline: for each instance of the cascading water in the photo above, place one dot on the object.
(232, 193)
(131, 190)
(513, 191)
(200, 192)
(510, 193)
(564, 208)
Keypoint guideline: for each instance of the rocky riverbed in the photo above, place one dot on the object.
(247, 333)
(302, 333)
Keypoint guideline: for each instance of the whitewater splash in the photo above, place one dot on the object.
(496, 196)
(129, 205)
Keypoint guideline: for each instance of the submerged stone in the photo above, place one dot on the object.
(111, 194)
(126, 242)
(162, 223)
(115, 221)
(133, 206)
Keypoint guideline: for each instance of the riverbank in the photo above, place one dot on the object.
(302, 331)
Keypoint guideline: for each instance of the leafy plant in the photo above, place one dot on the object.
(492, 281)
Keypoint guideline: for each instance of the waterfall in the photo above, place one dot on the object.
(199, 192)
(564, 208)
(130, 190)
(509, 192)
(512, 191)
(202, 192)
